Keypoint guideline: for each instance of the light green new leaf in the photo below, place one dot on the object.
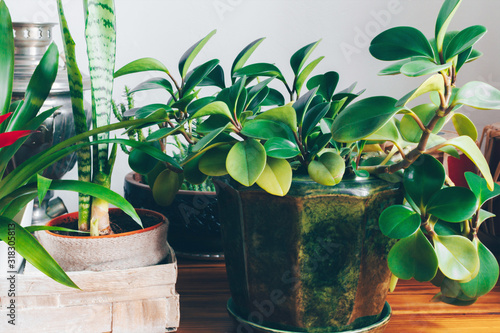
(141, 65)
(394, 69)
(458, 257)
(299, 58)
(276, 178)
(389, 132)
(198, 75)
(6, 59)
(243, 56)
(425, 112)
(398, 222)
(448, 10)
(478, 95)
(328, 169)
(464, 126)
(480, 188)
(213, 108)
(464, 40)
(483, 216)
(302, 77)
(413, 257)
(166, 186)
(281, 148)
(188, 57)
(452, 204)
(284, 114)
(313, 117)
(246, 161)
(422, 67)
(400, 43)
(434, 83)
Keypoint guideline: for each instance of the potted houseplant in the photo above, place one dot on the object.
(287, 247)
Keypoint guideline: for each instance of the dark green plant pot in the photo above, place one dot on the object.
(312, 261)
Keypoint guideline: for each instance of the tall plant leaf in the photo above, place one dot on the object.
(6, 59)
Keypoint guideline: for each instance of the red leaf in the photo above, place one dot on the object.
(5, 116)
(6, 139)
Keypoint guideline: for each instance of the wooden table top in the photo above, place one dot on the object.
(204, 292)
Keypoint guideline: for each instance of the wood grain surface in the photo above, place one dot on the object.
(204, 292)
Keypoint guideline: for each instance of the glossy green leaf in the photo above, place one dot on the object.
(448, 10)
(413, 257)
(43, 185)
(266, 129)
(422, 67)
(300, 57)
(161, 133)
(274, 98)
(328, 169)
(425, 112)
(400, 43)
(422, 179)
(212, 123)
(260, 69)
(188, 57)
(434, 83)
(478, 95)
(471, 150)
(327, 84)
(462, 58)
(219, 108)
(394, 69)
(243, 56)
(389, 132)
(214, 79)
(166, 186)
(284, 114)
(28, 247)
(255, 91)
(183, 103)
(199, 103)
(141, 65)
(276, 178)
(479, 186)
(452, 204)
(192, 173)
(363, 118)
(464, 40)
(213, 162)
(483, 216)
(154, 83)
(398, 222)
(458, 257)
(464, 126)
(313, 117)
(145, 111)
(211, 137)
(246, 161)
(198, 75)
(6, 58)
(302, 77)
(281, 148)
(302, 104)
(141, 162)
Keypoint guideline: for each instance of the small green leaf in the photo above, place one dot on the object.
(448, 10)
(398, 222)
(302, 104)
(281, 148)
(141, 65)
(214, 108)
(154, 83)
(141, 162)
(216, 135)
(434, 83)
(394, 69)
(246, 161)
(478, 95)
(260, 69)
(452, 204)
(458, 257)
(300, 57)
(483, 216)
(214, 79)
(266, 129)
(212, 123)
(276, 178)
(302, 77)
(243, 56)
(166, 186)
(422, 67)
(313, 117)
(198, 75)
(213, 162)
(327, 84)
(480, 188)
(328, 169)
(192, 173)
(425, 112)
(188, 57)
(199, 103)
(400, 43)
(389, 132)
(284, 114)
(464, 126)
(464, 40)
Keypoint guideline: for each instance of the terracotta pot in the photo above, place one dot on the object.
(312, 261)
(194, 229)
(143, 247)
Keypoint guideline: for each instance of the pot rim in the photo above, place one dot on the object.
(138, 210)
(129, 177)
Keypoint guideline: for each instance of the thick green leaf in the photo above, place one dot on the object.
(422, 67)
(198, 75)
(300, 57)
(483, 216)
(425, 112)
(166, 186)
(192, 172)
(413, 257)
(302, 77)
(448, 10)
(398, 222)
(284, 114)
(214, 79)
(243, 56)
(141, 65)
(274, 98)
(464, 126)
(452, 204)
(212, 123)
(394, 69)
(400, 43)
(363, 118)
(155, 83)
(302, 104)
(422, 179)
(458, 257)
(478, 95)
(281, 148)
(389, 132)
(6, 59)
(266, 129)
(141, 162)
(28, 247)
(313, 117)
(276, 178)
(246, 161)
(213, 162)
(434, 83)
(480, 188)
(327, 84)
(219, 108)
(328, 169)
(464, 40)
(210, 137)
(260, 69)
(199, 103)
(188, 57)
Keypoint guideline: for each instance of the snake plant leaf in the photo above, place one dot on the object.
(464, 126)
(422, 67)
(422, 179)
(327, 84)
(43, 185)
(425, 112)
(363, 118)
(6, 59)
(243, 56)
(141, 65)
(464, 40)
(246, 161)
(448, 10)
(487, 276)
(284, 114)
(281, 148)
(300, 57)
(302, 104)
(274, 98)
(276, 178)
(198, 75)
(399, 222)
(213, 161)
(458, 257)
(266, 129)
(199, 103)
(413, 257)
(401, 43)
(313, 117)
(214, 79)
(216, 135)
(302, 77)
(478, 95)
(166, 186)
(452, 204)
(394, 69)
(214, 108)
(328, 169)
(192, 172)
(28, 247)
(154, 83)
(188, 57)
(260, 69)
(434, 83)
(480, 188)
(471, 150)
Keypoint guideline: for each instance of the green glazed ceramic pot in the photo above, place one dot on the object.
(312, 261)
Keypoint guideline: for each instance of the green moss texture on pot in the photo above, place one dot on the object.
(314, 260)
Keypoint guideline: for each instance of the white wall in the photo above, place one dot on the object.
(164, 29)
